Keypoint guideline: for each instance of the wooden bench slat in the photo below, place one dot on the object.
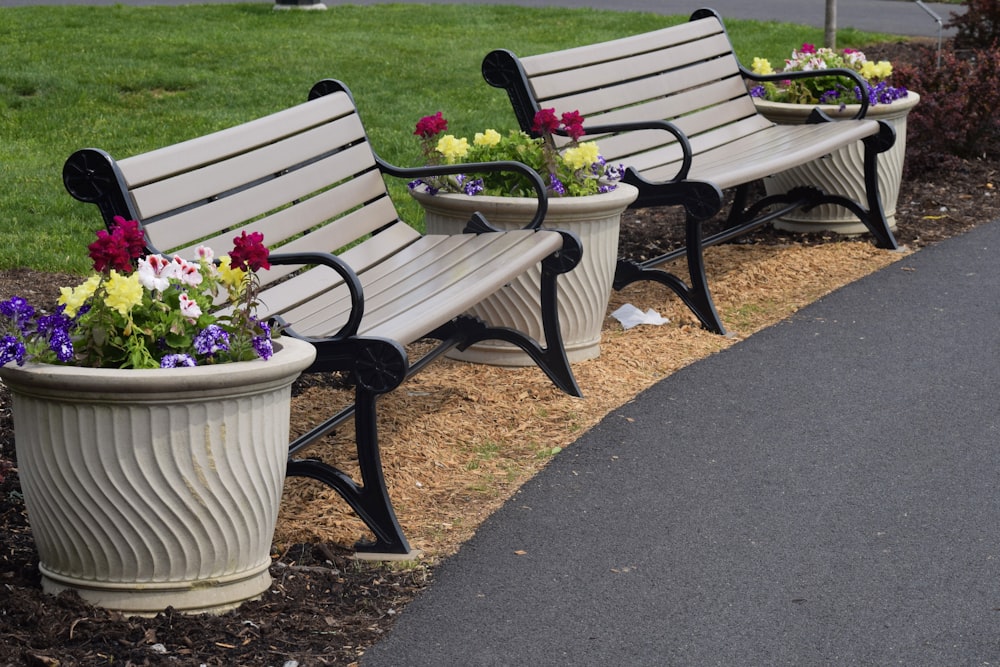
(236, 172)
(194, 153)
(213, 217)
(619, 48)
(637, 67)
(430, 281)
(594, 103)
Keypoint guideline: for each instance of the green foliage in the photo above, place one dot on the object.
(130, 79)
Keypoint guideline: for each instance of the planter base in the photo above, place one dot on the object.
(149, 599)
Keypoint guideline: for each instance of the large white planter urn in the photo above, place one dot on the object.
(583, 292)
(148, 489)
(841, 172)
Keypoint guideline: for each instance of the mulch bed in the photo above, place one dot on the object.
(324, 608)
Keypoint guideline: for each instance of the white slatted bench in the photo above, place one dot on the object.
(672, 106)
(308, 179)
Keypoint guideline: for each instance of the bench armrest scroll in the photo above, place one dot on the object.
(350, 278)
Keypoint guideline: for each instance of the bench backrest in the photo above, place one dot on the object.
(305, 177)
(687, 74)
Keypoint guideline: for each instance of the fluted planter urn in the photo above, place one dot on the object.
(583, 292)
(841, 172)
(148, 489)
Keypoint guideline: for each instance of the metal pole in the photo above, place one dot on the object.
(940, 24)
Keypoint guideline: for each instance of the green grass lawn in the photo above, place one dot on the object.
(130, 79)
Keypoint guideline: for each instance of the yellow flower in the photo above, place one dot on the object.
(487, 138)
(875, 71)
(123, 292)
(74, 297)
(230, 277)
(762, 66)
(582, 155)
(453, 149)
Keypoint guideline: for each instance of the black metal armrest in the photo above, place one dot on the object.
(665, 125)
(351, 280)
(790, 76)
(478, 167)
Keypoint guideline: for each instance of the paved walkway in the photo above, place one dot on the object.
(900, 17)
(826, 492)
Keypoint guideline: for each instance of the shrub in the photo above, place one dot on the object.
(979, 26)
(956, 117)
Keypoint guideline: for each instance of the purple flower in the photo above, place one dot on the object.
(211, 339)
(758, 91)
(614, 172)
(61, 344)
(262, 344)
(11, 349)
(177, 361)
(431, 190)
(473, 187)
(18, 310)
(558, 189)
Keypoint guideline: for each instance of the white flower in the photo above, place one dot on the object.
(155, 272)
(188, 273)
(189, 307)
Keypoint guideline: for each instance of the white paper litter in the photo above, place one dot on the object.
(630, 316)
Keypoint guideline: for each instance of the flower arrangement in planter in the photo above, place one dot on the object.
(831, 89)
(584, 197)
(146, 312)
(792, 100)
(151, 428)
(573, 170)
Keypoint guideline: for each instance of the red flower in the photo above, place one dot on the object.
(429, 126)
(545, 122)
(249, 252)
(110, 251)
(808, 48)
(132, 235)
(573, 124)
(116, 249)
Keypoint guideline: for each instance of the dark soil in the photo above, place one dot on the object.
(325, 609)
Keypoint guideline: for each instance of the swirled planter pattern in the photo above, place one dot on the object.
(583, 292)
(154, 488)
(842, 171)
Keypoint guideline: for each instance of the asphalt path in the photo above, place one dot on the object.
(823, 493)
